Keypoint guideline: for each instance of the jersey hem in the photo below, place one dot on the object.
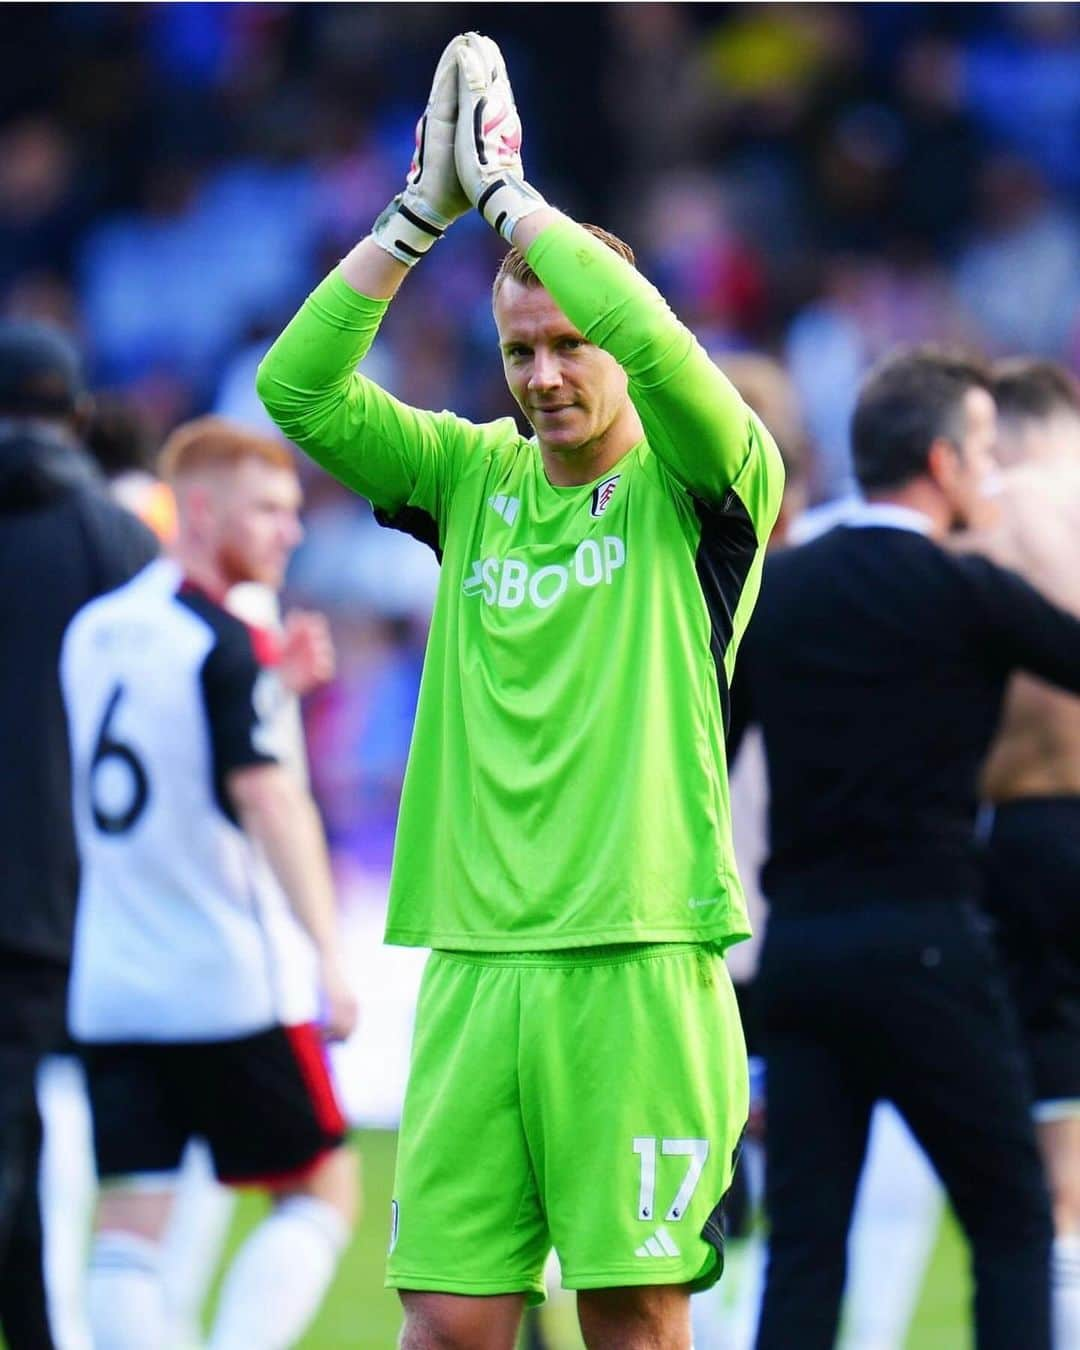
(616, 954)
(540, 942)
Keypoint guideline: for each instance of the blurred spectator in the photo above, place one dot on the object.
(654, 53)
(1022, 82)
(1020, 275)
(41, 208)
(44, 297)
(858, 176)
(249, 140)
(710, 274)
(172, 286)
(867, 306)
(125, 451)
(771, 66)
(942, 146)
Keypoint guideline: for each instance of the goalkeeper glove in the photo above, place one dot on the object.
(433, 198)
(487, 147)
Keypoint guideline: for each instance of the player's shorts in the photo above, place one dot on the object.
(591, 1100)
(265, 1104)
(1032, 892)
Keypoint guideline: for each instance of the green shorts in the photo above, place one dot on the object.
(590, 1100)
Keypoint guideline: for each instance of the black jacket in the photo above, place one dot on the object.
(62, 542)
(876, 664)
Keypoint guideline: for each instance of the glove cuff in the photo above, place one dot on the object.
(506, 201)
(407, 227)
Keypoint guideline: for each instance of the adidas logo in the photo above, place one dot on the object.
(660, 1244)
(507, 507)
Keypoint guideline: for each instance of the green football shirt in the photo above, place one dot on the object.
(567, 783)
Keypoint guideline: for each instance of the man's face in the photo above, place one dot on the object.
(572, 392)
(256, 508)
(967, 473)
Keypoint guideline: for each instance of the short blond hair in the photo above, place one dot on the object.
(514, 267)
(216, 443)
(1028, 386)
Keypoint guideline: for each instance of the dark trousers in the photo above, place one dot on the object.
(23, 1309)
(904, 1003)
(33, 996)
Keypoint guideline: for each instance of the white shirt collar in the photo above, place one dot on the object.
(889, 515)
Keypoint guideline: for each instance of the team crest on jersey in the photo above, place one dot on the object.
(602, 494)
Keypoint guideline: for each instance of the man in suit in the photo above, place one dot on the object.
(876, 668)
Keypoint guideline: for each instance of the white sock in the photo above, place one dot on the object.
(124, 1293)
(67, 1192)
(279, 1276)
(192, 1244)
(1065, 1275)
(893, 1230)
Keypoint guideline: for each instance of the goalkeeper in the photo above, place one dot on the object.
(578, 1074)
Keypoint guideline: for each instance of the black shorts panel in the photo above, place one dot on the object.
(265, 1104)
(1032, 893)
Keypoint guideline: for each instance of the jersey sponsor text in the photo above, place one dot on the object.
(508, 582)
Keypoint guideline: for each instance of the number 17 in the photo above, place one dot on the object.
(697, 1150)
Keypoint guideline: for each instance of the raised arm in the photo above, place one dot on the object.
(392, 454)
(695, 420)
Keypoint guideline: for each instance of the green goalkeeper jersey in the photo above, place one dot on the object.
(567, 783)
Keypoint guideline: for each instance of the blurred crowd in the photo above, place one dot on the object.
(818, 182)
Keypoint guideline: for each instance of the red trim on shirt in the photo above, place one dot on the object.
(264, 644)
(307, 1045)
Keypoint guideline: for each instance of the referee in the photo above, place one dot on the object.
(62, 542)
(876, 666)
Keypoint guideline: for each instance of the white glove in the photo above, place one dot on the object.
(487, 148)
(433, 198)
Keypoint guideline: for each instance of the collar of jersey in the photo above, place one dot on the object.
(617, 467)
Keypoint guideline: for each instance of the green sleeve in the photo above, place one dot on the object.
(694, 419)
(393, 454)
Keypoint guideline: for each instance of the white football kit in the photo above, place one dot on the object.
(183, 933)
